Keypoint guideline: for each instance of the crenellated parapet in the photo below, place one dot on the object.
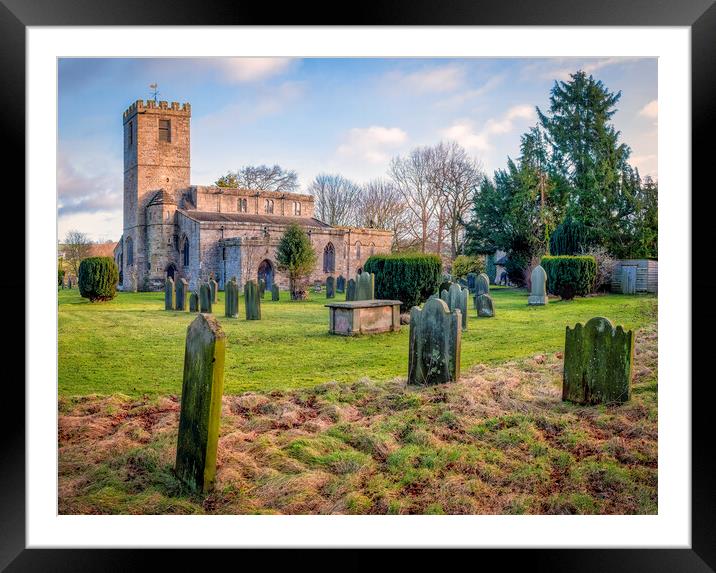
(163, 107)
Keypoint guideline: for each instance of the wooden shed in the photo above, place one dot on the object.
(635, 276)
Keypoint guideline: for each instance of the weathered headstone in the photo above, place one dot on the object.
(341, 284)
(274, 292)
(200, 413)
(205, 297)
(262, 287)
(182, 294)
(365, 286)
(597, 363)
(456, 297)
(330, 287)
(252, 300)
(214, 287)
(435, 339)
(169, 301)
(231, 294)
(471, 281)
(482, 284)
(351, 290)
(538, 293)
(445, 285)
(484, 305)
(194, 302)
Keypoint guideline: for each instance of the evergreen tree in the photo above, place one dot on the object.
(296, 256)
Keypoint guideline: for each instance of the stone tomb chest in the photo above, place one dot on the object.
(363, 317)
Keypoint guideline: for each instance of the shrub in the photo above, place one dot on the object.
(571, 237)
(570, 276)
(296, 257)
(490, 268)
(97, 278)
(605, 266)
(517, 266)
(409, 278)
(462, 265)
(60, 277)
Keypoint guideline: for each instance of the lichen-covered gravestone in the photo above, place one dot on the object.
(456, 297)
(435, 338)
(169, 303)
(214, 286)
(252, 300)
(330, 287)
(597, 363)
(205, 297)
(262, 287)
(182, 294)
(340, 284)
(365, 286)
(274, 292)
(484, 305)
(194, 302)
(538, 293)
(200, 412)
(482, 284)
(351, 290)
(471, 281)
(231, 294)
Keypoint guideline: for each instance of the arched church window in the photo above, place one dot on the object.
(130, 251)
(268, 205)
(185, 252)
(296, 207)
(357, 249)
(372, 249)
(329, 258)
(242, 206)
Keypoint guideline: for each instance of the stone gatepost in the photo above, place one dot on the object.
(538, 293)
(456, 297)
(252, 301)
(200, 412)
(597, 363)
(169, 301)
(435, 339)
(205, 297)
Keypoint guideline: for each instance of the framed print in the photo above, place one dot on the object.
(383, 283)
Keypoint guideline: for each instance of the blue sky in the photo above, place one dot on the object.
(347, 116)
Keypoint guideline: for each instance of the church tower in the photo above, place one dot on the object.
(156, 159)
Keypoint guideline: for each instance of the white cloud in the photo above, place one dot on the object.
(245, 70)
(436, 79)
(371, 143)
(466, 95)
(79, 192)
(571, 65)
(647, 164)
(466, 135)
(650, 110)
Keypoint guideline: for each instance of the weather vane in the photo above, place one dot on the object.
(155, 93)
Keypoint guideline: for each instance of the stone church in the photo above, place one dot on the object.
(172, 228)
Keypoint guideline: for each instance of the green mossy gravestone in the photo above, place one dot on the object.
(252, 300)
(330, 287)
(214, 286)
(365, 286)
(194, 302)
(597, 363)
(340, 284)
(205, 297)
(274, 292)
(538, 293)
(262, 287)
(351, 290)
(182, 294)
(435, 338)
(456, 297)
(482, 284)
(485, 306)
(471, 281)
(231, 294)
(200, 412)
(169, 302)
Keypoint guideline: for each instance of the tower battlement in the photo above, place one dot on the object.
(150, 106)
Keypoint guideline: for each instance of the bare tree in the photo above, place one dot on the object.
(381, 206)
(261, 177)
(77, 247)
(336, 198)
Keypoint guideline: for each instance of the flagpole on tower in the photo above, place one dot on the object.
(155, 93)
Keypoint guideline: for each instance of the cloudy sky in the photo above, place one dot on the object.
(347, 116)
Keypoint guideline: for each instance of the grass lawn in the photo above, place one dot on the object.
(132, 346)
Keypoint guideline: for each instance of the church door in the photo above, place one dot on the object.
(266, 273)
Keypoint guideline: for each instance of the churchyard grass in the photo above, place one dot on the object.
(132, 346)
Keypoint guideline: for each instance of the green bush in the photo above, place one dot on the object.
(570, 276)
(97, 278)
(410, 278)
(462, 265)
(571, 237)
(60, 277)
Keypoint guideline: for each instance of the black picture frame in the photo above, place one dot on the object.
(699, 15)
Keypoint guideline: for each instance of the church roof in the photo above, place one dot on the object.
(214, 217)
(162, 197)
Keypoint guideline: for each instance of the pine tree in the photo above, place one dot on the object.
(296, 256)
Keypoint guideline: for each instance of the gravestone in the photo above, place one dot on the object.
(252, 300)
(456, 297)
(182, 294)
(330, 287)
(200, 412)
(169, 301)
(482, 284)
(538, 293)
(262, 287)
(435, 338)
(351, 290)
(597, 363)
(365, 286)
(471, 281)
(231, 294)
(340, 284)
(214, 286)
(205, 297)
(484, 305)
(194, 302)
(274, 292)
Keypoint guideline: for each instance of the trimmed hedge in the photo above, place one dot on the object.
(97, 278)
(409, 278)
(570, 276)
